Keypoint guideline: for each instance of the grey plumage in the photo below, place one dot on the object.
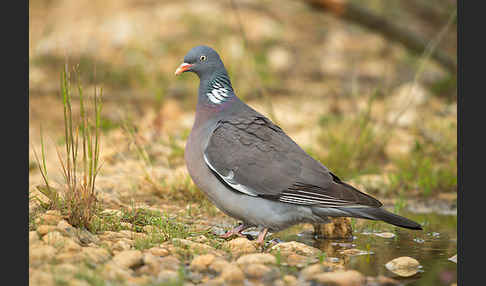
(251, 170)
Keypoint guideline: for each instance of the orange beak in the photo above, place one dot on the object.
(182, 68)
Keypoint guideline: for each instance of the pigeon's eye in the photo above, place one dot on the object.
(203, 58)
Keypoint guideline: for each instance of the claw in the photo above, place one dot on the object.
(261, 236)
(235, 231)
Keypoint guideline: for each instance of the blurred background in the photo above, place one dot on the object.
(347, 80)
(366, 87)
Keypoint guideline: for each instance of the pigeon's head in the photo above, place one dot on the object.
(201, 60)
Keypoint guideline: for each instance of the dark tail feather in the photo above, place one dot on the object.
(384, 215)
(369, 213)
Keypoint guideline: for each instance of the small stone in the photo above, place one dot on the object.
(193, 246)
(128, 258)
(166, 276)
(294, 247)
(256, 271)
(232, 274)
(403, 266)
(338, 227)
(218, 265)
(240, 246)
(354, 251)
(121, 245)
(44, 229)
(385, 235)
(340, 278)
(310, 271)
(70, 245)
(299, 260)
(202, 262)
(54, 238)
(158, 251)
(289, 280)
(68, 257)
(33, 237)
(113, 271)
(41, 254)
(263, 258)
(385, 281)
(95, 255)
(453, 258)
(50, 218)
(85, 237)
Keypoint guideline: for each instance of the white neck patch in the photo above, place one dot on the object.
(218, 93)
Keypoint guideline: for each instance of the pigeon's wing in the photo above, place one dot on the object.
(254, 156)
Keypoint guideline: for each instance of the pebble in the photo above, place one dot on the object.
(128, 258)
(453, 258)
(385, 235)
(403, 266)
(95, 255)
(202, 262)
(158, 251)
(340, 278)
(257, 270)
(262, 258)
(294, 247)
(232, 274)
(240, 246)
(45, 229)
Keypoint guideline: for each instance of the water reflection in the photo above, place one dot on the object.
(432, 247)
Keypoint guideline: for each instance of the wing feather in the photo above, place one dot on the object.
(255, 157)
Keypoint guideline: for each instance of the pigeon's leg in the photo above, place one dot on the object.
(236, 231)
(261, 236)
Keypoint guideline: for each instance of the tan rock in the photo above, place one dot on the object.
(311, 270)
(167, 275)
(353, 251)
(218, 265)
(68, 257)
(453, 258)
(70, 245)
(158, 251)
(128, 258)
(95, 255)
(33, 237)
(339, 227)
(54, 238)
(169, 263)
(290, 280)
(40, 254)
(41, 278)
(121, 245)
(202, 262)
(403, 266)
(256, 271)
(240, 246)
(299, 260)
(50, 218)
(44, 229)
(294, 247)
(194, 246)
(113, 271)
(262, 258)
(340, 278)
(385, 234)
(232, 274)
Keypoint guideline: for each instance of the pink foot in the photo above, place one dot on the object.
(235, 231)
(261, 236)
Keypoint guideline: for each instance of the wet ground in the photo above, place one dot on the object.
(432, 247)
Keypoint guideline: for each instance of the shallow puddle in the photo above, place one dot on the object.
(432, 247)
